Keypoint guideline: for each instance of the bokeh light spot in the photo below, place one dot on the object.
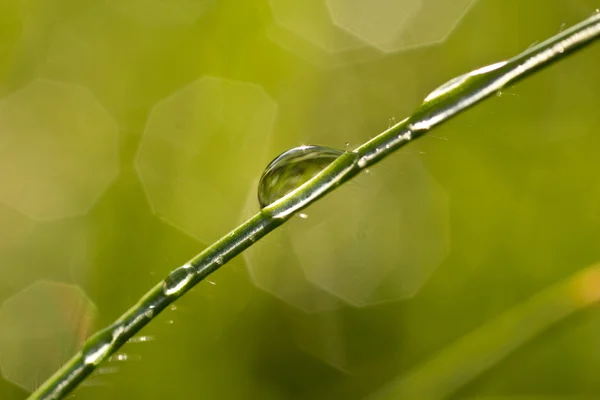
(40, 328)
(14, 228)
(294, 15)
(378, 22)
(274, 268)
(200, 148)
(306, 29)
(379, 237)
(323, 336)
(376, 239)
(58, 150)
(396, 25)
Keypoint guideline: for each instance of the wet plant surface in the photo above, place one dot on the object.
(462, 266)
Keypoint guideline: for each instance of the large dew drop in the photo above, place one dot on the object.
(291, 169)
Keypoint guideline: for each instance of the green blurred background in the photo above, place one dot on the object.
(133, 133)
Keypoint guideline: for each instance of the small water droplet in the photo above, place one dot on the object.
(303, 216)
(177, 279)
(562, 27)
(454, 83)
(97, 353)
(99, 345)
(141, 339)
(119, 357)
(211, 282)
(291, 169)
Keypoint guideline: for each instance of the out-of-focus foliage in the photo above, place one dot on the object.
(132, 134)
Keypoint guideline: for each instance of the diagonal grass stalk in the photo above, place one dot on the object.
(480, 350)
(442, 104)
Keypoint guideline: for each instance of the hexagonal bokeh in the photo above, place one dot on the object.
(375, 239)
(392, 25)
(58, 150)
(40, 328)
(274, 268)
(323, 336)
(58, 250)
(378, 22)
(294, 15)
(14, 227)
(379, 237)
(200, 148)
(304, 27)
(160, 12)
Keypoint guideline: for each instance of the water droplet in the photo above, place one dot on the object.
(291, 169)
(141, 339)
(177, 279)
(97, 353)
(454, 83)
(303, 216)
(98, 347)
(119, 357)
(562, 27)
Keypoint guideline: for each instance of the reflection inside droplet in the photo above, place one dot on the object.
(291, 169)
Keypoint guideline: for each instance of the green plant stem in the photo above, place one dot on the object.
(478, 351)
(445, 102)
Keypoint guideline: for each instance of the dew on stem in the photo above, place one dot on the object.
(291, 169)
(177, 279)
(99, 346)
